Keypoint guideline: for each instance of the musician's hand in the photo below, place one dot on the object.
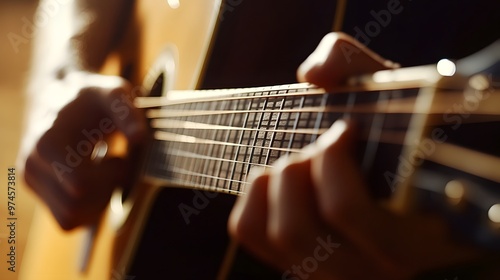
(59, 167)
(311, 215)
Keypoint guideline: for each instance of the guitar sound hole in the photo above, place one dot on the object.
(157, 88)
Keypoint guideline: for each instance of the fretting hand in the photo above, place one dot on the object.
(311, 215)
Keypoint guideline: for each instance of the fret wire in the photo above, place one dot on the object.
(237, 152)
(308, 121)
(178, 146)
(188, 161)
(199, 134)
(224, 147)
(210, 147)
(271, 141)
(288, 119)
(151, 102)
(249, 151)
(254, 141)
(295, 125)
(255, 103)
(224, 105)
(266, 130)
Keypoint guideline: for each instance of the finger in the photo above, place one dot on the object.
(49, 190)
(335, 171)
(338, 57)
(294, 223)
(292, 212)
(344, 202)
(341, 192)
(64, 151)
(117, 113)
(75, 195)
(248, 221)
(125, 115)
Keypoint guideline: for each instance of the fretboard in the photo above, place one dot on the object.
(213, 141)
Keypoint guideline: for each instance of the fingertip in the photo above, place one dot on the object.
(250, 211)
(311, 69)
(337, 58)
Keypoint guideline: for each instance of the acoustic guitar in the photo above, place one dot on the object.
(429, 139)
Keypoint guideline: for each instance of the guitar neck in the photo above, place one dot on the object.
(211, 139)
(214, 140)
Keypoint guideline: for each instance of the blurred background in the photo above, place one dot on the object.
(14, 64)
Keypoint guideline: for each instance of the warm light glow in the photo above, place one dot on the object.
(99, 152)
(494, 213)
(446, 67)
(479, 82)
(116, 204)
(454, 190)
(174, 4)
(120, 209)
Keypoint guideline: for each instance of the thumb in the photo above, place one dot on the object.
(338, 57)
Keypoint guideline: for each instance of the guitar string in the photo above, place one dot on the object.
(192, 173)
(153, 102)
(149, 102)
(391, 108)
(249, 111)
(172, 137)
(188, 125)
(183, 183)
(169, 113)
(186, 154)
(387, 136)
